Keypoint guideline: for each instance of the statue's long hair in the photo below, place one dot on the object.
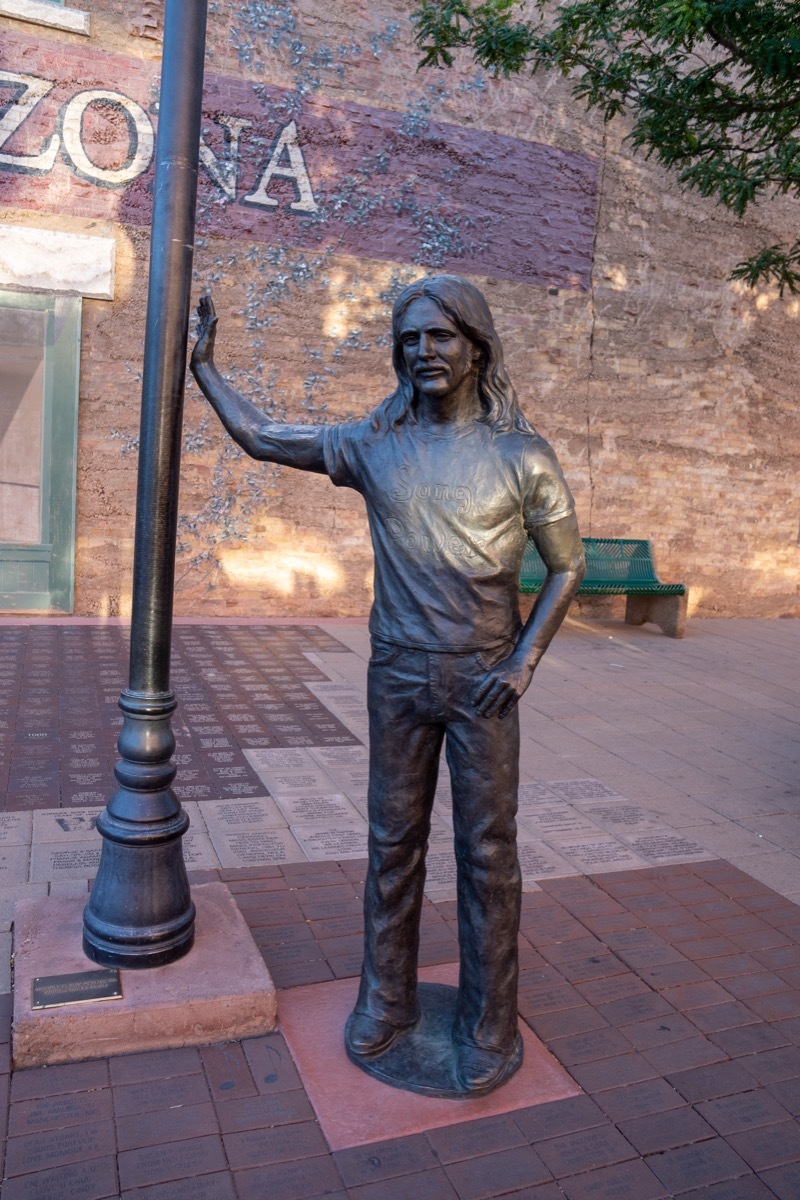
(465, 306)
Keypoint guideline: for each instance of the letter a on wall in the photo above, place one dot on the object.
(295, 170)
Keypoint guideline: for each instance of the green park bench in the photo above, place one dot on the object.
(620, 567)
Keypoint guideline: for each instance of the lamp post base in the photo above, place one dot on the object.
(140, 913)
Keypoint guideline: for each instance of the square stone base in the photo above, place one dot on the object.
(220, 990)
(354, 1109)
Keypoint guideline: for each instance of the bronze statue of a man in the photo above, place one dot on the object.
(455, 480)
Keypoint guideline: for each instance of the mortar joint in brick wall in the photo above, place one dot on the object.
(592, 327)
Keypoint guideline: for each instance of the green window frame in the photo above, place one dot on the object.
(40, 577)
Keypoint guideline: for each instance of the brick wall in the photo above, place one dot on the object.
(666, 390)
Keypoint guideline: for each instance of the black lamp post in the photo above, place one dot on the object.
(140, 913)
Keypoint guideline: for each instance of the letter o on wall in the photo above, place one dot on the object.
(141, 139)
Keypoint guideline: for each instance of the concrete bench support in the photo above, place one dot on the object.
(668, 612)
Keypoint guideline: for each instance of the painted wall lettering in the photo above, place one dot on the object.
(347, 177)
(29, 90)
(295, 169)
(225, 173)
(141, 139)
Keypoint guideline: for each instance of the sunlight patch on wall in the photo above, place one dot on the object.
(617, 277)
(283, 571)
(695, 597)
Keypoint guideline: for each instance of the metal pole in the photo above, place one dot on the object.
(140, 913)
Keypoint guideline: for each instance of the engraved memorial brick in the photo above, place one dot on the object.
(300, 809)
(319, 841)
(256, 847)
(59, 1147)
(232, 815)
(599, 854)
(580, 789)
(92, 1180)
(75, 860)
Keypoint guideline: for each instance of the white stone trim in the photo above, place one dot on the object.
(45, 260)
(40, 12)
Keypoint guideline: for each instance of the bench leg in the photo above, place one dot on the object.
(668, 612)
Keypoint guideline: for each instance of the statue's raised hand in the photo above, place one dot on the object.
(206, 332)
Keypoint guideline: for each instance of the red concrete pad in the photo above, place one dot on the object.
(355, 1109)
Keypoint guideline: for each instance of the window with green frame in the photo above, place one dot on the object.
(39, 378)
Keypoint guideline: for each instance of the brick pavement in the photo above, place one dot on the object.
(669, 993)
(687, 1051)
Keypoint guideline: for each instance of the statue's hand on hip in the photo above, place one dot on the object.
(502, 686)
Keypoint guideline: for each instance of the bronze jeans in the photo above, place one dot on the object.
(417, 699)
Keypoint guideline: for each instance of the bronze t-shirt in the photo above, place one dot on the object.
(449, 514)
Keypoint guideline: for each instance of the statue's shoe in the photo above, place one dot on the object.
(366, 1037)
(480, 1071)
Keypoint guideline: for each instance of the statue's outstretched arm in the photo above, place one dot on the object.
(257, 434)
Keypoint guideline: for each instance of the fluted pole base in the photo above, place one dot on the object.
(140, 913)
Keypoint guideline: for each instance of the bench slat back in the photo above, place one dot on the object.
(608, 561)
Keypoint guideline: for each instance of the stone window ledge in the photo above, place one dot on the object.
(41, 12)
(46, 260)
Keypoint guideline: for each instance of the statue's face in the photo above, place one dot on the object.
(437, 355)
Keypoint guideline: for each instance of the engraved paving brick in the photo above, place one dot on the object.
(746, 1187)
(624, 1181)
(493, 1174)
(587, 1047)
(749, 1039)
(259, 1112)
(218, 1186)
(166, 1125)
(155, 1064)
(58, 1080)
(758, 983)
(660, 1031)
(768, 1145)
(385, 1160)
(534, 1000)
(639, 1099)
(746, 1110)
(57, 1147)
(159, 1164)
(777, 1007)
(730, 1015)
(632, 1009)
(618, 987)
(92, 1180)
(56, 1112)
(677, 1056)
(784, 1181)
(707, 1083)
(133, 1098)
(670, 974)
(284, 1143)
(787, 1094)
(665, 1131)
(453, 1143)
(298, 1181)
(297, 974)
(583, 1151)
(699, 1165)
(772, 1066)
(565, 1022)
(425, 1186)
(558, 1117)
(612, 1072)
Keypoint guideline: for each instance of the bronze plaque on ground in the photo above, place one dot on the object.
(52, 991)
